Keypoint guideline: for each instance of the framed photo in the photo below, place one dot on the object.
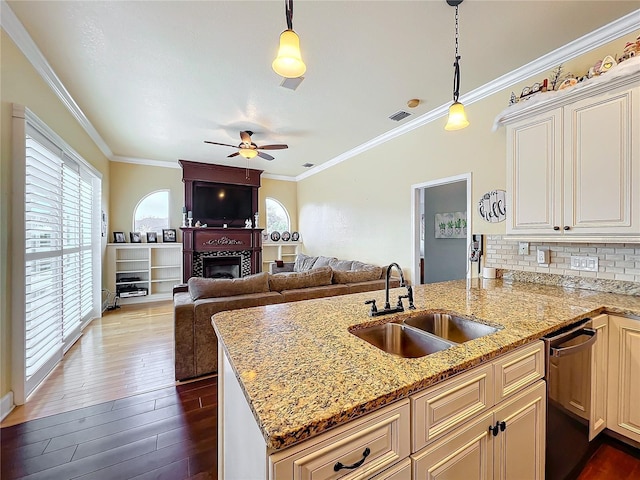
(118, 237)
(168, 235)
(135, 237)
(152, 237)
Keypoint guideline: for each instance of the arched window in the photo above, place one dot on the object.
(152, 212)
(277, 216)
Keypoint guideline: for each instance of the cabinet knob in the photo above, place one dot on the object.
(567, 227)
(556, 228)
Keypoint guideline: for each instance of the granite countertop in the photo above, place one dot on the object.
(303, 372)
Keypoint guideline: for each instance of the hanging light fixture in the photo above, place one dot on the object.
(457, 117)
(289, 62)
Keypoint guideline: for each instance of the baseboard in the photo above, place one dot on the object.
(6, 405)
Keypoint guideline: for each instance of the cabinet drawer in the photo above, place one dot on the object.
(402, 471)
(384, 433)
(440, 409)
(518, 369)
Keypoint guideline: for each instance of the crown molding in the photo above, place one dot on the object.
(284, 178)
(605, 34)
(145, 161)
(30, 50)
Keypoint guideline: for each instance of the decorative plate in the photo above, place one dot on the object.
(492, 206)
(295, 236)
(265, 236)
(286, 236)
(275, 236)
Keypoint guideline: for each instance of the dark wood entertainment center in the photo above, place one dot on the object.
(215, 240)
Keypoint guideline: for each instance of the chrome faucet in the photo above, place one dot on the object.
(374, 312)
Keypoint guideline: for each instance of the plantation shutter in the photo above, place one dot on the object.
(61, 271)
(43, 259)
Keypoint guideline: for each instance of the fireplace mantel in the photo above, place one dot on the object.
(214, 239)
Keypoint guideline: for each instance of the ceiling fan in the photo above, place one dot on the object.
(248, 149)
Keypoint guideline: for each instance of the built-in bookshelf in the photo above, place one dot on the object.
(143, 272)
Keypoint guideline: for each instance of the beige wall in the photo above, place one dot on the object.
(21, 84)
(130, 183)
(361, 208)
(283, 191)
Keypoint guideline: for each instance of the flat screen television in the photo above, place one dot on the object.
(216, 204)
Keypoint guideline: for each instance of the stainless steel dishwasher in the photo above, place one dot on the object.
(568, 375)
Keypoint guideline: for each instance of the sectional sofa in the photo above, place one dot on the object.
(196, 344)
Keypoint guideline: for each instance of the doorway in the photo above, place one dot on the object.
(440, 252)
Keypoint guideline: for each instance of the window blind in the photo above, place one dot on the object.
(60, 211)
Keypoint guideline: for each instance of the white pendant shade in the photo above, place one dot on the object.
(248, 153)
(457, 117)
(289, 62)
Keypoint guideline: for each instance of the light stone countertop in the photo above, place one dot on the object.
(303, 372)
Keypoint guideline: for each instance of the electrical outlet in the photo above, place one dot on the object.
(543, 256)
(523, 248)
(584, 263)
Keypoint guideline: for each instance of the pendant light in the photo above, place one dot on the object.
(289, 62)
(457, 116)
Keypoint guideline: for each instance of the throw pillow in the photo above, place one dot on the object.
(294, 280)
(340, 264)
(226, 287)
(323, 261)
(303, 263)
(352, 276)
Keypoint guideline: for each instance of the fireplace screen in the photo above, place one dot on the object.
(221, 267)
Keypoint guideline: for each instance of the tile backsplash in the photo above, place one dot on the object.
(617, 261)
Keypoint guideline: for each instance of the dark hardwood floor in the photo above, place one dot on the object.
(168, 433)
(171, 434)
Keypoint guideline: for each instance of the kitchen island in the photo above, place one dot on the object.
(300, 372)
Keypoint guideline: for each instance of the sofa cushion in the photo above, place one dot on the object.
(314, 292)
(291, 281)
(303, 263)
(351, 276)
(340, 264)
(226, 287)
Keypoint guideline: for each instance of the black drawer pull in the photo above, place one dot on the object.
(556, 228)
(340, 466)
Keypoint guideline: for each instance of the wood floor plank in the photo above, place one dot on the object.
(174, 471)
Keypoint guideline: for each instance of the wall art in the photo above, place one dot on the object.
(492, 207)
(451, 225)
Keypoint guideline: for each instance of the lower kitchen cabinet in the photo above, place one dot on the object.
(506, 443)
(623, 402)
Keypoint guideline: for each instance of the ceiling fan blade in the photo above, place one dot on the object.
(280, 146)
(223, 144)
(233, 155)
(246, 137)
(266, 156)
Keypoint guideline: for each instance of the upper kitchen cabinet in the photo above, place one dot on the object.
(573, 164)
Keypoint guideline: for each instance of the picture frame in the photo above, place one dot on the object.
(168, 235)
(152, 237)
(135, 237)
(118, 237)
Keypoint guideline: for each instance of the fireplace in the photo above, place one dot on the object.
(222, 267)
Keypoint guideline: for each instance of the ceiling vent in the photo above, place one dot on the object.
(308, 165)
(291, 83)
(401, 115)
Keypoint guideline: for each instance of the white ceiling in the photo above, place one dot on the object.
(155, 79)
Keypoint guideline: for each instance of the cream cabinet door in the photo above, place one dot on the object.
(465, 454)
(520, 444)
(534, 170)
(601, 163)
(599, 368)
(623, 402)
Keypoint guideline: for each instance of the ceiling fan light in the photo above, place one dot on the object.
(248, 153)
(289, 62)
(457, 117)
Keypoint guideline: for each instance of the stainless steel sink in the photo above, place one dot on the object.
(450, 327)
(401, 340)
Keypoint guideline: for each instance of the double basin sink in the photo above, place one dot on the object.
(422, 334)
